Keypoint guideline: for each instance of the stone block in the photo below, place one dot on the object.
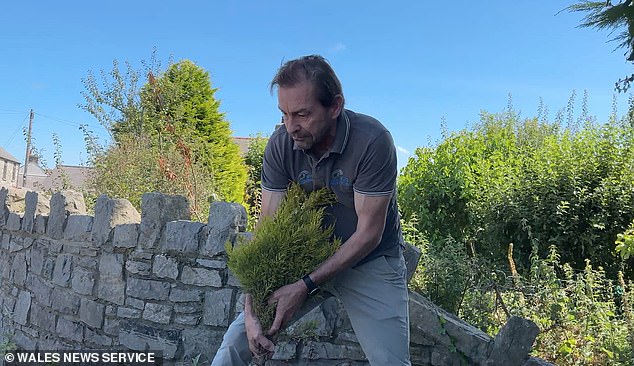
(65, 302)
(71, 248)
(47, 268)
(87, 262)
(141, 255)
(42, 317)
(157, 313)
(40, 289)
(184, 295)
(62, 270)
(96, 339)
(452, 332)
(30, 203)
(412, 257)
(200, 341)
(83, 281)
(125, 236)
(18, 270)
(91, 313)
(123, 312)
(111, 286)
(188, 307)
(314, 350)
(285, 350)
(20, 243)
(8, 304)
(443, 357)
(57, 216)
(513, 342)
(40, 224)
(141, 268)
(37, 254)
(201, 277)
(225, 221)
(4, 210)
(24, 341)
(182, 236)
(232, 280)
(5, 240)
(69, 329)
(14, 222)
(157, 210)
(217, 307)
(22, 307)
(212, 263)
(108, 214)
(187, 319)
(135, 303)
(314, 323)
(111, 310)
(140, 337)
(165, 267)
(78, 228)
(111, 326)
(148, 289)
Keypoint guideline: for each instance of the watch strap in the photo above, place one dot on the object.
(312, 287)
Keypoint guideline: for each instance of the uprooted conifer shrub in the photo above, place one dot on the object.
(284, 248)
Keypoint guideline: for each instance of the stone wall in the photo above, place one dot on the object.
(158, 281)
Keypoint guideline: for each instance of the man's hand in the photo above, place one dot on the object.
(259, 344)
(288, 300)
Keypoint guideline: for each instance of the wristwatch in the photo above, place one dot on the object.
(312, 287)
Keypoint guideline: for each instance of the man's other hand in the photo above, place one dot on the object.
(288, 300)
(259, 344)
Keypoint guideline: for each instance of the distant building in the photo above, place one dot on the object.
(56, 179)
(9, 167)
(74, 177)
(35, 175)
(243, 143)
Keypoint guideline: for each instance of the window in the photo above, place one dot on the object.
(4, 170)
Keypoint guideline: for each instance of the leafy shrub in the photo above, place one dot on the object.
(526, 182)
(253, 193)
(284, 248)
(582, 321)
(625, 242)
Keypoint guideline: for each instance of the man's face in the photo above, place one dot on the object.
(310, 124)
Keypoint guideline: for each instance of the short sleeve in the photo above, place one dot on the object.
(377, 169)
(274, 177)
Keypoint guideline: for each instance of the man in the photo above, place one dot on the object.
(324, 145)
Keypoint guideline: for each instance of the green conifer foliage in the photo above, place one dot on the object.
(285, 247)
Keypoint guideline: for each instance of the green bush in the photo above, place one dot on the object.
(285, 247)
(526, 182)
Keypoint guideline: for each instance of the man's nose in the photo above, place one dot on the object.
(291, 125)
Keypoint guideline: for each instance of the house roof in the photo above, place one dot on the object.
(4, 154)
(243, 144)
(77, 176)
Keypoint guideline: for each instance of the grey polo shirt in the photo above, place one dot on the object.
(362, 159)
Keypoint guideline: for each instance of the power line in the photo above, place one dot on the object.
(66, 121)
(20, 126)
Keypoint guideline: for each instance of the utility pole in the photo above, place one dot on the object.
(28, 149)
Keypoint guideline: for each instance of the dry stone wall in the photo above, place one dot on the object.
(158, 281)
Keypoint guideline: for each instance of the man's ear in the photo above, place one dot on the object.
(336, 107)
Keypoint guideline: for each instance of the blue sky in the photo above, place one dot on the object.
(411, 64)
